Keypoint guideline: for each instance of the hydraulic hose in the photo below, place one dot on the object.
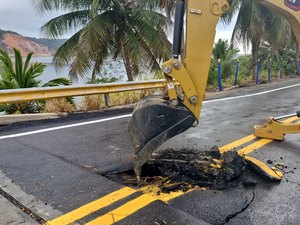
(178, 28)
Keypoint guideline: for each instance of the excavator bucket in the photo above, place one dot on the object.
(154, 119)
(153, 122)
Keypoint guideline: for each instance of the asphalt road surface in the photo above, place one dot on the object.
(53, 170)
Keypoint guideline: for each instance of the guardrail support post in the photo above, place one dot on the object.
(219, 75)
(298, 63)
(107, 100)
(257, 71)
(291, 69)
(269, 71)
(281, 68)
(236, 72)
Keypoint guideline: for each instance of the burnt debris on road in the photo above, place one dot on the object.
(173, 170)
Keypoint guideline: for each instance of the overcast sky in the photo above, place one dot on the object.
(21, 17)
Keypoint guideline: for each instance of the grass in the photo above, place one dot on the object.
(59, 105)
(97, 102)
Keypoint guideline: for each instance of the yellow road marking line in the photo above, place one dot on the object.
(128, 209)
(237, 143)
(145, 199)
(123, 211)
(254, 146)
(272, 173)
(92, 207)
(264, 141)
(167, 197)
(251, 137)
(152, 190)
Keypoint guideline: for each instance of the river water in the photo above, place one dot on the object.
(111, 68)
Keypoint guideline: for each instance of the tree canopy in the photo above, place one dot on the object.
(130, 30)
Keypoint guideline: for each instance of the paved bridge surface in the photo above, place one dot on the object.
(52, 169)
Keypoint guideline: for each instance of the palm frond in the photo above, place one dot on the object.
(18, 67)
(27, 61)
(57, 82)
(65, 23)
(34, 71)
(93, 45)
(43, 6)
(6, 64)
(65, 53)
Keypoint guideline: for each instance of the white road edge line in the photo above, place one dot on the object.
(63, 127)
(251, 95)
(129, 115)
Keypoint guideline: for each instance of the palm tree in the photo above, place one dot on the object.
(297, 53)
(255, 25)
(222, 50)
(267, 52)
(130, 30)
(15, 75)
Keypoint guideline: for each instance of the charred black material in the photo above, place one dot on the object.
(153, 122)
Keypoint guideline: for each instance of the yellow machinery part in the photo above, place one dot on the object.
(291, 15)
(192, 71)
(275, 130)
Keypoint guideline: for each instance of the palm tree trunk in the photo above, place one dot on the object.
(255, 47)
(93, 78)
(127, 65)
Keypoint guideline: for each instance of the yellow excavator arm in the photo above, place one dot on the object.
(192, 71)
(290, 9)
(158, 118)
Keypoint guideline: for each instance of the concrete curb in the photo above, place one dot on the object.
(9, 119)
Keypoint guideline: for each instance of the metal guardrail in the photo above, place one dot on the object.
(28, 94)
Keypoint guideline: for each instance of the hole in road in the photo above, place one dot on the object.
(173, 170)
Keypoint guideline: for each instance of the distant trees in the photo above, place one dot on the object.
(136, 32)
(19, 74)
(256, 25)
(223, 51)
(52, 44)
(130, 30)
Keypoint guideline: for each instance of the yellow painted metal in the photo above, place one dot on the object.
(179, 72)
(202, 17)
(28, 94)
(171, 88)
(276, 130)
(292, 16)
